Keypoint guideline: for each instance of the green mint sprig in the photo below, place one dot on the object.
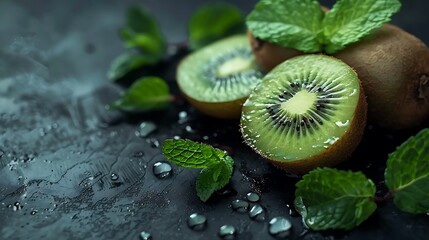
(145, 43)
(407, 174)
(350, 20)
(291, 24)
(302, 25)
(216, 165)
(128, 62)
(142, 32)
(147, 93)
(333, 199)
(212, 22)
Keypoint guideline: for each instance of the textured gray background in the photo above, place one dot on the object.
(58, 145)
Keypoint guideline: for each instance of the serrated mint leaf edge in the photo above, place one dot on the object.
(311, 43)
(186, 144)
(392, 158)
(204, 192)
(334, 47)
(158, 102)
(362, 200)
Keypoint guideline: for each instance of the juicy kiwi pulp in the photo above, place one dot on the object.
(222, 73)
(302, 110)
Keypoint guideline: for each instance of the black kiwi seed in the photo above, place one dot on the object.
(219, 77)
(210, 70)
(324, 92)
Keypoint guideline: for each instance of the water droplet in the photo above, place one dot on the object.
(154, 143)
(145, 236)
(257, 213)
(240, 206)
(197, 221)
(342, 124)
(206, 137)
(17, 206)
(162, 169)
(252, 197)
(114, 177)
(331, 140)
(176, 137)
(227, 232)
(145, 129)
(189, 129)
(33, 212)
(279, 227)
(183, 117)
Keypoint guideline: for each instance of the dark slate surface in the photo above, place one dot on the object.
(59, 146)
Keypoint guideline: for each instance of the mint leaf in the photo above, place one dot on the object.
(213, 22)
(407, 174)
(217, 166)
(128, 62)
(214, 178)
(333, 199)
(142, 31)
(288, 23)
(350, 20)
(189, 154)
(147, 93)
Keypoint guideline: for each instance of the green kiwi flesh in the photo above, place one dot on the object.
(307, 112)
(219, 77)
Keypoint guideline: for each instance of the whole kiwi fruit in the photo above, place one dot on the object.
(268, 55)
(219, 77)
(308, 112)
(393, 66)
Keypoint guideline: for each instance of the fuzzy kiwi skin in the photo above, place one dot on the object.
(222, 110)
(338, 152)
(268, 55)
(393, 66)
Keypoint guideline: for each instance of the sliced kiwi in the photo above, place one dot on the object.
(307, 112)
(218, 78)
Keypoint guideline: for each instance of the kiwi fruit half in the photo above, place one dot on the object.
(218, 78)
(309, 111)
(393, 66)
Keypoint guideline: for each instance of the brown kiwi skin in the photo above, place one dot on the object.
(338, 152)
(223, 110)
(268, 55)
(393, 66)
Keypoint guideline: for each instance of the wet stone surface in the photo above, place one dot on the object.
(70, 167)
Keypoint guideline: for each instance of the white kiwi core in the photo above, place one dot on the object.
(300, 103)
